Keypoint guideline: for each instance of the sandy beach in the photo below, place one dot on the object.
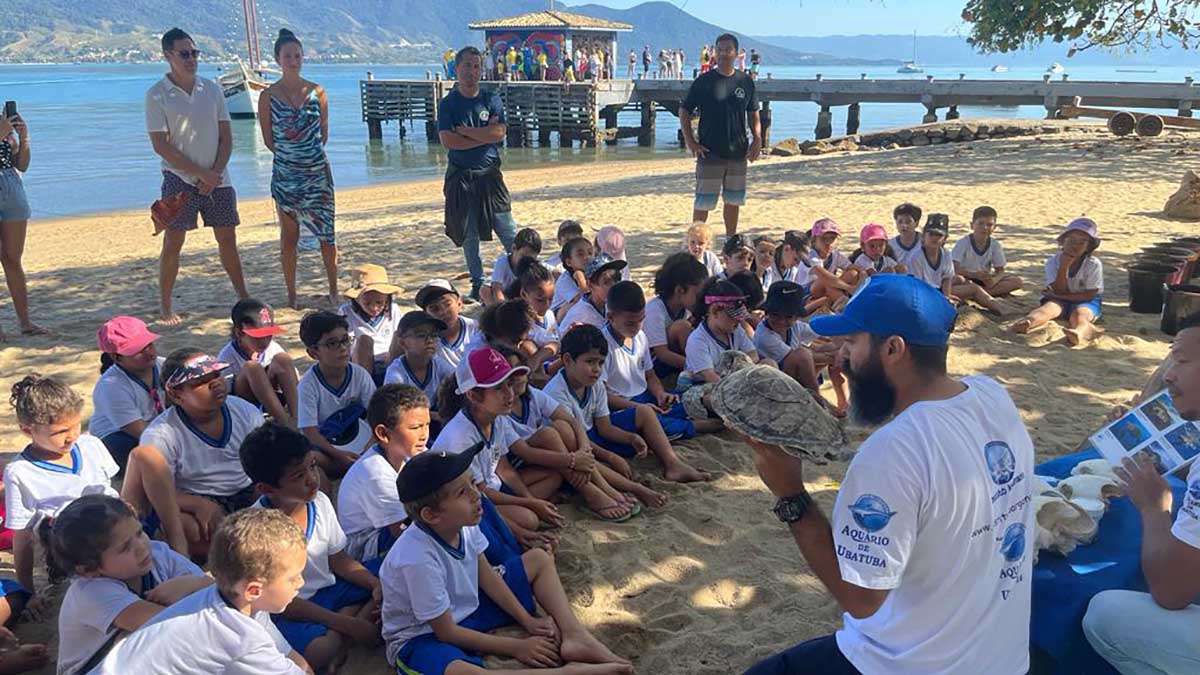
(712, 582)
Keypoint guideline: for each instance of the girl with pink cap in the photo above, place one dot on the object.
(832, 274)
(1074, 285)
(872, 257)
(129, 392)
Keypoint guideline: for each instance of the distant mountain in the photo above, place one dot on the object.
(940, 50)
(411, 31)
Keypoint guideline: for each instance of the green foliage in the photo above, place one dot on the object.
(1011, 25)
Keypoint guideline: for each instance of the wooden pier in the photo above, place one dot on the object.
(587, 111)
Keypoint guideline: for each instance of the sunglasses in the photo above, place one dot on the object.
(187, 54)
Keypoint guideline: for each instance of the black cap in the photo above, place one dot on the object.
(416, 318)
(787, 298)
(938, 223)
(735, 243)
(424, 474)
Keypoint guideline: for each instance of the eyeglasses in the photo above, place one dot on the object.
(423, 337)
(187, 54)
(340, 343)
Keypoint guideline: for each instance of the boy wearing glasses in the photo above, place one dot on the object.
(334, 394)
(418, 364)
(190, 130)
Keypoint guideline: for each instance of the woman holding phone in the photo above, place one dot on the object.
(294, 116)
(14, 214)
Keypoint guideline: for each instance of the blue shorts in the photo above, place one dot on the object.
(502, 543)
(675, 422)
(13, 203)
(427, 655)
(1068, 308)
(10, 586)
(333, 598)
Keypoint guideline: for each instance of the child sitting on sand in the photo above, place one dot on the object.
(129, 392)
(935, 267)
(333, 394)
(764, 258)
(610, 240)
(832, 276)
(262, 371)
(907, 242)
(535, 285)
(418, 365)
(441, 300)
(699, 238)
(1074, 285)
(601, 272)
(979, 257)
(572, 283)
(372, 315)
(676, 284)
(791, 260)
(567, 230)
(738, 255)
(441, 596)
(872, 257)
(786, 339)
(526, 244)
(718, 313)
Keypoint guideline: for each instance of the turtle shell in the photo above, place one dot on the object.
(769, 406)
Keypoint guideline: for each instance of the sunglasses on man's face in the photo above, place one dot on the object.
(187, 54)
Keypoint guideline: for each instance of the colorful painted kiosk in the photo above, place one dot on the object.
(558, 35)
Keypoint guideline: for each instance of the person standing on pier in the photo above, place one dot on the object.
(727, 103)
(632, 64)
(189, 128)
(471, 126)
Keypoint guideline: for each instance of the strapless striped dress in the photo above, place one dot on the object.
(301, 181)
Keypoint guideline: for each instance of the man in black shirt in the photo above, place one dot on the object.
(727, 103)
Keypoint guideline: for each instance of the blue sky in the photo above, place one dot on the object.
(820, 17)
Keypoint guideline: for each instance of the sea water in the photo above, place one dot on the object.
(91, 152)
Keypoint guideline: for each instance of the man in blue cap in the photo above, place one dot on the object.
(928, 549)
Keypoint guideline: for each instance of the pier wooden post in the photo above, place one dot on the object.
(930, 114)
(649, 122)
(824, 123)
(764, 121)
(852, 119)
(952, 113)
(374, 129)
(1185, 109)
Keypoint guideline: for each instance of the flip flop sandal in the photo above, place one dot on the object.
(596, 514)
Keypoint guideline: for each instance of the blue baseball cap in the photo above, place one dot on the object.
(894, 304)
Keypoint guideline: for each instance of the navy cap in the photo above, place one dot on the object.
(938, 223)
(424, 474)
(894, 304)
(602, 262)
(787, 298)
(411, 320)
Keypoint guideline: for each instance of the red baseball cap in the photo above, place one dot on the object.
(255, 318)
(484, 368)
(124, 336)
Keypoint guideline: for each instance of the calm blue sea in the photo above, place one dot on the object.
(91, 152)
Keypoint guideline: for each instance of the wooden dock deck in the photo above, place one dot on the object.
(576, 111)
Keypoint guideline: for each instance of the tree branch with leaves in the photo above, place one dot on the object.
(1011, 25)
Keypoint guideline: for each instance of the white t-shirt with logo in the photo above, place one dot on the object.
(232, 354)
(91, 604)
(380, 329)
(703, 348)
(1090, 276)
(538, 409)
(460, 433)
(936, 508)
(658, 322)
(583, 312)
(864, 262)
(1187, 523)
(423, 578)
(201, 464)
(904, 255)
(920, 267)
(368, 501)
(545, 330)
(34, 489)
(437, 370)
(973, 260)
(119, 399)
(203, 633)
(593, 404)
(626, 366)
(325, 538)
(776, 347)
(451, 353)
(835, 262)
(799, 274)
(319, 401)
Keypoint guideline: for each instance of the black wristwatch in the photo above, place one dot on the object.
(792, 509)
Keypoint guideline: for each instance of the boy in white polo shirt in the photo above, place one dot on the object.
(441, 597)
(441, 300)
(933, 266)
(333, 394)
(334, 607)
(368, 509)
(979, 257)
(601, 272)
(418, 364)
(258, 560)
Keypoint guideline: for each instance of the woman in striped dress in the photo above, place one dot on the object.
(294, 116)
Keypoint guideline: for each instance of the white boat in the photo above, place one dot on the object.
(241, 87)
(911, 66)
(1055, 68)
(999, 68)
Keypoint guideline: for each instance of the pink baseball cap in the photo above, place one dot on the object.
(611, 240)
(484, 369)
(124, 336)
(871, 232)
(825, 225)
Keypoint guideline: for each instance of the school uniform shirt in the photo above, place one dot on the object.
(451, 353)
(554, 262)
(626, 366)
(324, 536)
(976, 260)
(91, 604)
(776, 347)
(34, 489)
(232, 354)
(367, 502)
(864, 262)
(593, 404)
(201, 464)
(565, 290)
(933, 273)
(203, 633)
(545, 330)
(424, 577)
(712, 262)
(583, 312)
(502, 271)
(1090, 276)
(835, 262)
(400, 373)
(799, 274)
(1187, 523)
(380, 329)
(703, 347)
(461, 432)
(319, 400)
(538, 408)
(904, 254)
(658, 321)
(120, 398)
(936, 507)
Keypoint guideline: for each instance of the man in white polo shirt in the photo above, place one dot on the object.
(189, 128)
(929, 546)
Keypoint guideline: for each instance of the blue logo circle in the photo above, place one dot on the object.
(871, 513)
(1002, 464)
(1194, 491)
(1012, 547)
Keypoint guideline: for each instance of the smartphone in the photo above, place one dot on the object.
(10, 109)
